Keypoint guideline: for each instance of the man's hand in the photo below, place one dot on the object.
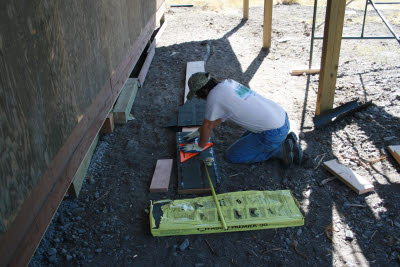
(189, 138)
(192, 148)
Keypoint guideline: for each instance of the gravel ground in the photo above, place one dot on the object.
(109, 223)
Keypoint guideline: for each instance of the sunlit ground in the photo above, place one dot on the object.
(219, 4)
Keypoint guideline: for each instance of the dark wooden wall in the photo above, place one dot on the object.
(62, 65)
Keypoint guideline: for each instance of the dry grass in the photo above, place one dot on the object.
(356, 4)
(289, 2)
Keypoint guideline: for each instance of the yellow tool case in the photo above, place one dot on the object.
(242, 211)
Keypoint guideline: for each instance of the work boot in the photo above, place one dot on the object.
(287, 154)
(297, 150)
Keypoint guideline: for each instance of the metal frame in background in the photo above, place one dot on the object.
(367, 2)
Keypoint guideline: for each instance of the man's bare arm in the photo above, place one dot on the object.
(206, 129)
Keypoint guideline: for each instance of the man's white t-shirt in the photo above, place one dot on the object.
(230, 100)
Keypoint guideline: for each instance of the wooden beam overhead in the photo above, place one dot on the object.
(267, 28)
(334, 19)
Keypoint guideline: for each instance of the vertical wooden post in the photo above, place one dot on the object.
(246, 9)
(267, 29)
(334, 19)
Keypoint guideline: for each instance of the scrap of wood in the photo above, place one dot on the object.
(123, 106)
(328, 180)
(161, 176)
(213, 252)
(329, 233)
(270, 250)
(298, 252)
(350, 178)
(189, 129)
(304, 71)
(395, 151)
(373, 161)
(356, 205)
(108, 125)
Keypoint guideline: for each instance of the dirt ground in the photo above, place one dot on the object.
(109, 223)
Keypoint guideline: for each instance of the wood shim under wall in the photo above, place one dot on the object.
(347, 176)
(123, 106)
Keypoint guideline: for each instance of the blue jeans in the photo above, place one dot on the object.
(255, 147)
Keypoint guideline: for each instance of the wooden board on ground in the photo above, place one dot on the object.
(161, 176)
(123, 106)
(395, 151)
(108, 125)
(350, 178)
(304, 71)
(80, 174)
(191, 67)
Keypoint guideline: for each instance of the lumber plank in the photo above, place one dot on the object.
(161, 176)
(108, 125)
(191, 68)
(304, 71)
(267, 28)
(146, 64)
(334, 20)
(123, 106)
(80, 175)
(350, 178)
(395, 151)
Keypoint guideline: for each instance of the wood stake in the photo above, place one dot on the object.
(334, 19)
(246, 9)
(267, 29)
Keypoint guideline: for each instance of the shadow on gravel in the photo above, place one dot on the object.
(371, 224)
